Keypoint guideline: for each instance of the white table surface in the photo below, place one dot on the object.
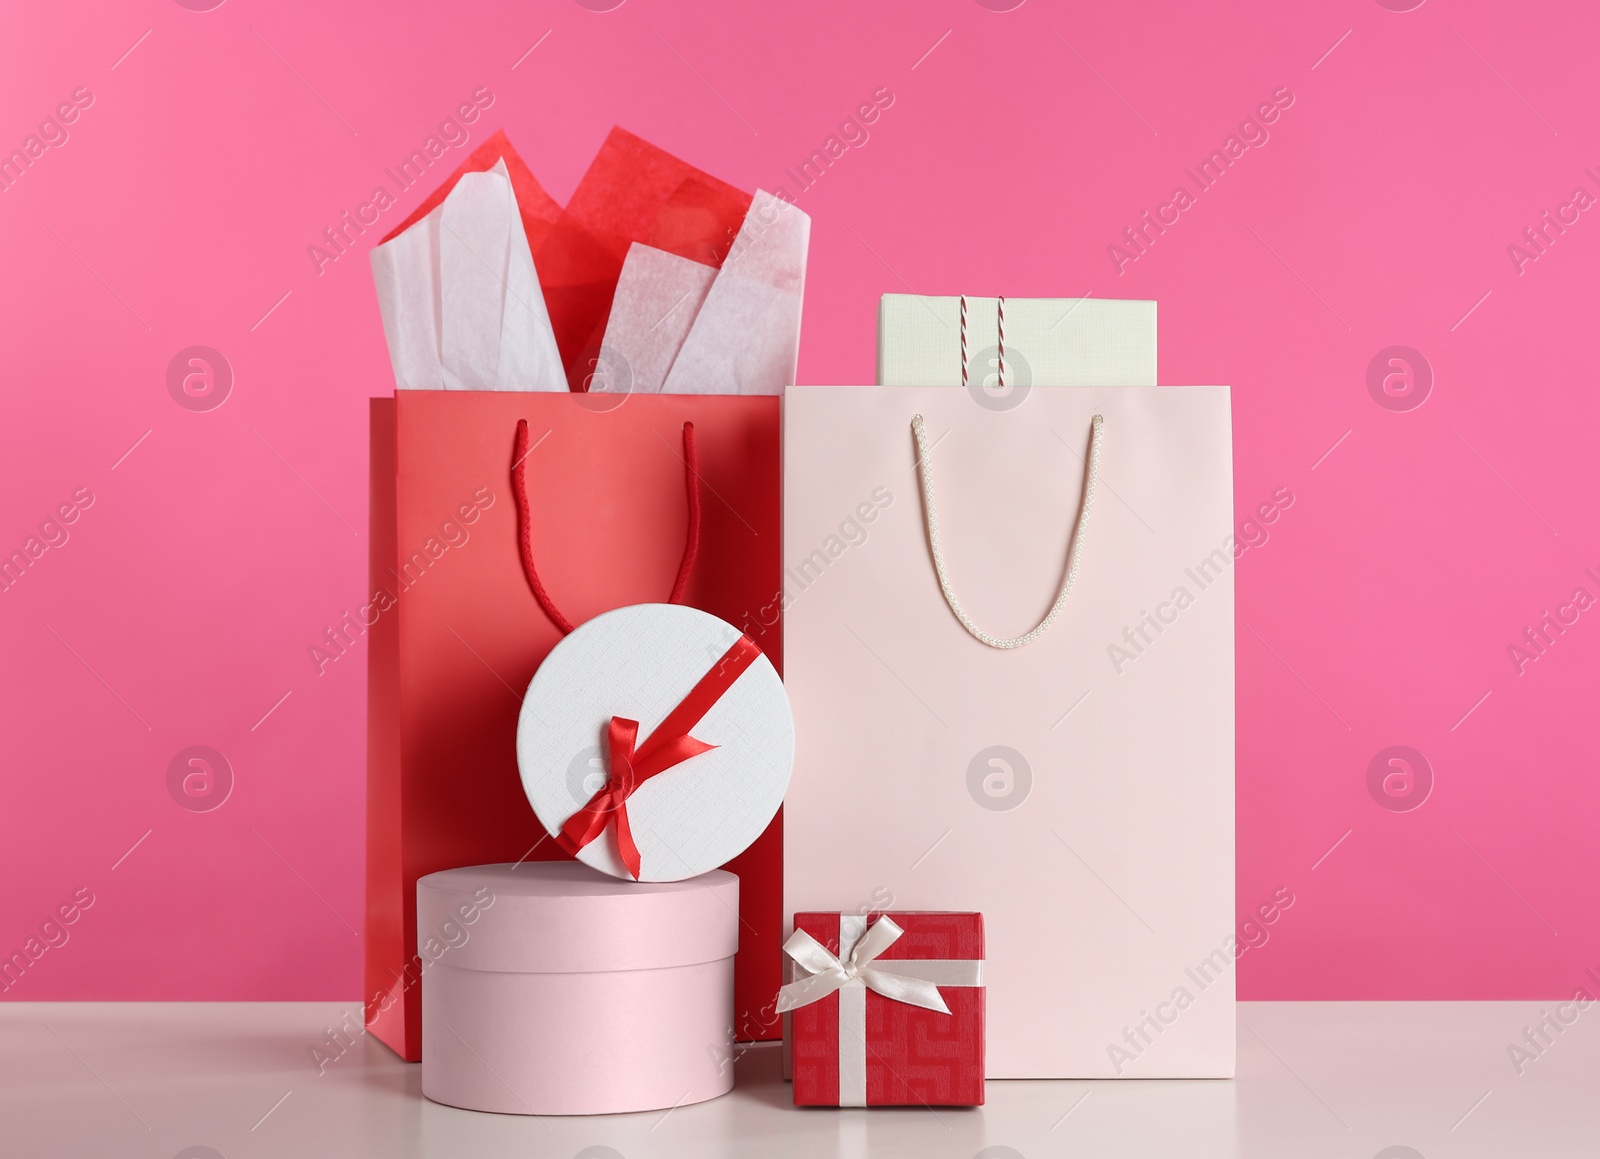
(1356, 1080)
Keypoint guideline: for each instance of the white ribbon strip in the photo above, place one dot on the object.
(914, 981)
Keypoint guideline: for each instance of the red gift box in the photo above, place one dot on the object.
(886, 1009)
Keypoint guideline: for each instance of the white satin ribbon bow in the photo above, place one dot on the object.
(854, 971)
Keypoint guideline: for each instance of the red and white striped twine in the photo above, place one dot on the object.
(1002, 324)
(1002, 343)
(963, 340)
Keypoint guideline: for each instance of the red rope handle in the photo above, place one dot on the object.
(691, 538)
(519, 488)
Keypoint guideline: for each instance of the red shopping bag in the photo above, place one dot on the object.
(455, 632)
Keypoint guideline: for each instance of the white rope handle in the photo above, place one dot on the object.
(1086, 509)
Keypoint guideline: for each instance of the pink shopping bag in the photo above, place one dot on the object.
(1077, 789)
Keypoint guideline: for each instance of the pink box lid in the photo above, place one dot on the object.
(547, 917)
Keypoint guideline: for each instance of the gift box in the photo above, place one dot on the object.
(655, 742)
(1026, 342)
(887, 1009)
(549, 988)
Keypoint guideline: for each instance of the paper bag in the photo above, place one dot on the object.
(455, 635)
(1077, 790)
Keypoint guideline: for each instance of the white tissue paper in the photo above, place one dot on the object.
(461, 303)
(658, 297)
(744, 337)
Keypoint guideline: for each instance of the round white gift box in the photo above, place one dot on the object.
(657, 667)
(549, 988)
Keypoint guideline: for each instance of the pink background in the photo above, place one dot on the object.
(1378, 613)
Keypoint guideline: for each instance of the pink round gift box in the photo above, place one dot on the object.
(550, 988)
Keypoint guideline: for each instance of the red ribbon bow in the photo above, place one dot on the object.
(670, 744)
